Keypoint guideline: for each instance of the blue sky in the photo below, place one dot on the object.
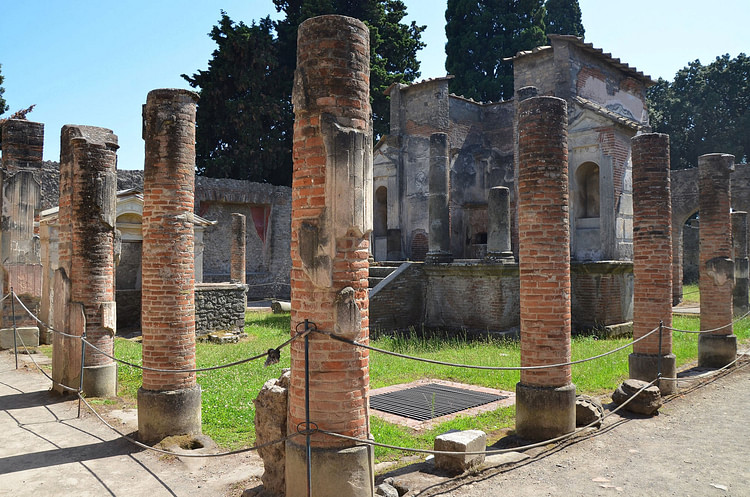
(92, 62)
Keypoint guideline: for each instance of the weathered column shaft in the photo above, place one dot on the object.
(652, 260)
(718, 348)
(498, 224)
(331, 224)
(93, 202)
(237, 263)
(545, 398)
(23, 143)
(168, 403)
(20, 202)
(739, 243)
(438, 200)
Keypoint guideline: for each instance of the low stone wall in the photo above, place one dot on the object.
(475, 296)
(469, 296)
(398, 302)
(472, 296)
(219, 307)
(602, 293)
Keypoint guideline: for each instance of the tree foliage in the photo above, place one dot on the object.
(245, 116)
(3, 104)
(480, 34)
(706, 109)
(563, 17)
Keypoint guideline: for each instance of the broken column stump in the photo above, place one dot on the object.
(646, 402)
(270, 424)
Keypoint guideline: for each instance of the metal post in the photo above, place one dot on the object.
(15, 332)
(658, 357)
(307, 408)
(83, 358)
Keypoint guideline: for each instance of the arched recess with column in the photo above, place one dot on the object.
(586, 208)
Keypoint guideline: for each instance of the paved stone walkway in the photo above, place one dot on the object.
(46, 450)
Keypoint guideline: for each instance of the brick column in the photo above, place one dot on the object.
(652, 260)
(168, 403)
(545, 398)
(498, 225)
(739, 244)
(20, 202)
(237, 264)
(718, 348)
(438, 201)
(331, 225)
(93, 201)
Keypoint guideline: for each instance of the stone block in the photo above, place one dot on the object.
(646, 402)
(460, 441)
(29, 336)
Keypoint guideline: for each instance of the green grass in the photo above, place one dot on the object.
(691, 293)
(228, 414)
(227, 397)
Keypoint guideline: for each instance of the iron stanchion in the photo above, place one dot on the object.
(15, 331)
(307, 408)
(83, 358)
(658, 357)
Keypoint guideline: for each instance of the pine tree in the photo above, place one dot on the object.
(564, 18)
(3, 104)
(245, 116)
(480, 35)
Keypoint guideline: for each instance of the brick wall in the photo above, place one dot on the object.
(401, 303)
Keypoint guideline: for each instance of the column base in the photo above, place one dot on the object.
(716, 351)
(646, 368)
(499, 257)
(545, 412)
(100, 381)
(341, 472)
(438, 257)
(162, 414)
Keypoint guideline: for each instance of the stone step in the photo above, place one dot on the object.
(381, 271)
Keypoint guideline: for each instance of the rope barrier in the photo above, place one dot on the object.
(492, 451)
(167, 452)
(710, 373)
(489, 368)
(736, 320)
(31, 356)
(273, 354)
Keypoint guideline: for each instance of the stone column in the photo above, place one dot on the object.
(652, 260)
(93, 201)
(498, 225)
(168, 403)
(718, 348)
(237, 264)
(739, 243)
(545, 398)
(331, 224)
(438, 201)
(20, 202)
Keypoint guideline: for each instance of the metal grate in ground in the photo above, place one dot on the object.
(430, 401)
